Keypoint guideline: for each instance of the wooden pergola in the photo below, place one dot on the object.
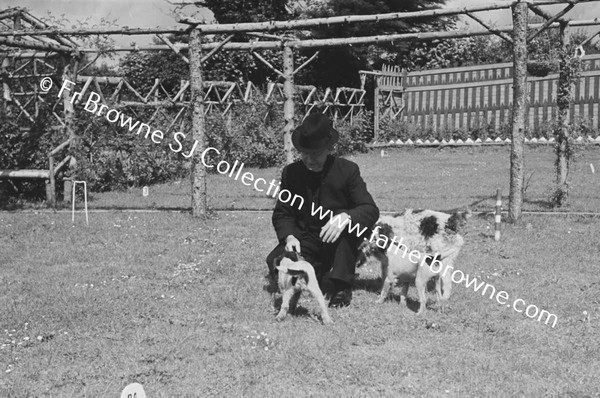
(267, 35)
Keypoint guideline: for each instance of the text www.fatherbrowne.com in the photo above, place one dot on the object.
(457, 276)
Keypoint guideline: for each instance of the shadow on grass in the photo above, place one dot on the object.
(374, 286)
(544, 204)
(271, 287)
(368, 285)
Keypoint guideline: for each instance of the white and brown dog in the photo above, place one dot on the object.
(433, 242)
(295, 276)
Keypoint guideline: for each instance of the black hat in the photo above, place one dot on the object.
(315, 134)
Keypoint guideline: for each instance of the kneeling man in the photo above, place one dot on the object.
(334, 184)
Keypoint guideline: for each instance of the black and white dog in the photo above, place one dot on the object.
(416, 247)
(294, 276)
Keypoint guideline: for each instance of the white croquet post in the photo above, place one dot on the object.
(498, 218)
(84, 201)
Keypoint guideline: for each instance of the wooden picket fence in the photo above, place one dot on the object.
(468, 98)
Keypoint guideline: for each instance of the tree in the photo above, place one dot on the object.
(248, 10)
(326, 70)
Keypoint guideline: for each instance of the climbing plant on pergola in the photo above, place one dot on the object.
(266, 35)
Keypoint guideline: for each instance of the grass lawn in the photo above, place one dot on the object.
(182, 307)
(408, 177)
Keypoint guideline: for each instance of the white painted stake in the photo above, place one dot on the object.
(498, 217)
(84, 201)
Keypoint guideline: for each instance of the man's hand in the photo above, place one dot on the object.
(292, 244)
(334, 228)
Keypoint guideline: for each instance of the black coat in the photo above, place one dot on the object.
(341, 189)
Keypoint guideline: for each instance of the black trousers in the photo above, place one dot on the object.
(332, 261)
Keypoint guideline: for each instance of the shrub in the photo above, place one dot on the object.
(248, 139)
(112, 157)
(354, 136)
(25, 150)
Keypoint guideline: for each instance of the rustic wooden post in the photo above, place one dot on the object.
(197, 170)
(376, 108)
(563, 102)
(288, 105)
(519, 110)
(6, 97)
(69, 73)
(229, 121)
(51, 183)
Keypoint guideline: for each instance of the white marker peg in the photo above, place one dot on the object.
(592, 168)
(145, 191)
(134, 390)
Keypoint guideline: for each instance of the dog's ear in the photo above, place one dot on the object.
(458, 221)
(386, 230)
(293, 256)
(277, 260)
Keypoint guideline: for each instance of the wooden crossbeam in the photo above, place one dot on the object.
(87, 84)
(335, 42)
(24, 174)
(312, 92)
(265, 36)
(114, 95)
(172, 47)
(35, 22)
(99, 90)
(89, 64)
(182, 90)
(46, 64)
(11, 12)
(49, 31)
(16, 101)
(132, 89)
(315, 22)
(217, 48)
(537, 10)
(228, 92)
(268, 64)
(248, 91)
(154, 87)
(308, 61)
(175, 120)
(549, 22)
(26, 64)
(35, 46)
(586, 41)
(165, 91)
(227, 108)
(488, 27)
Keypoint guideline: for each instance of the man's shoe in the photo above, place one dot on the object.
(341, 299)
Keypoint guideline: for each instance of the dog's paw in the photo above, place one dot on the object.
(380, 300)
(326, 320)
(280, 317)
